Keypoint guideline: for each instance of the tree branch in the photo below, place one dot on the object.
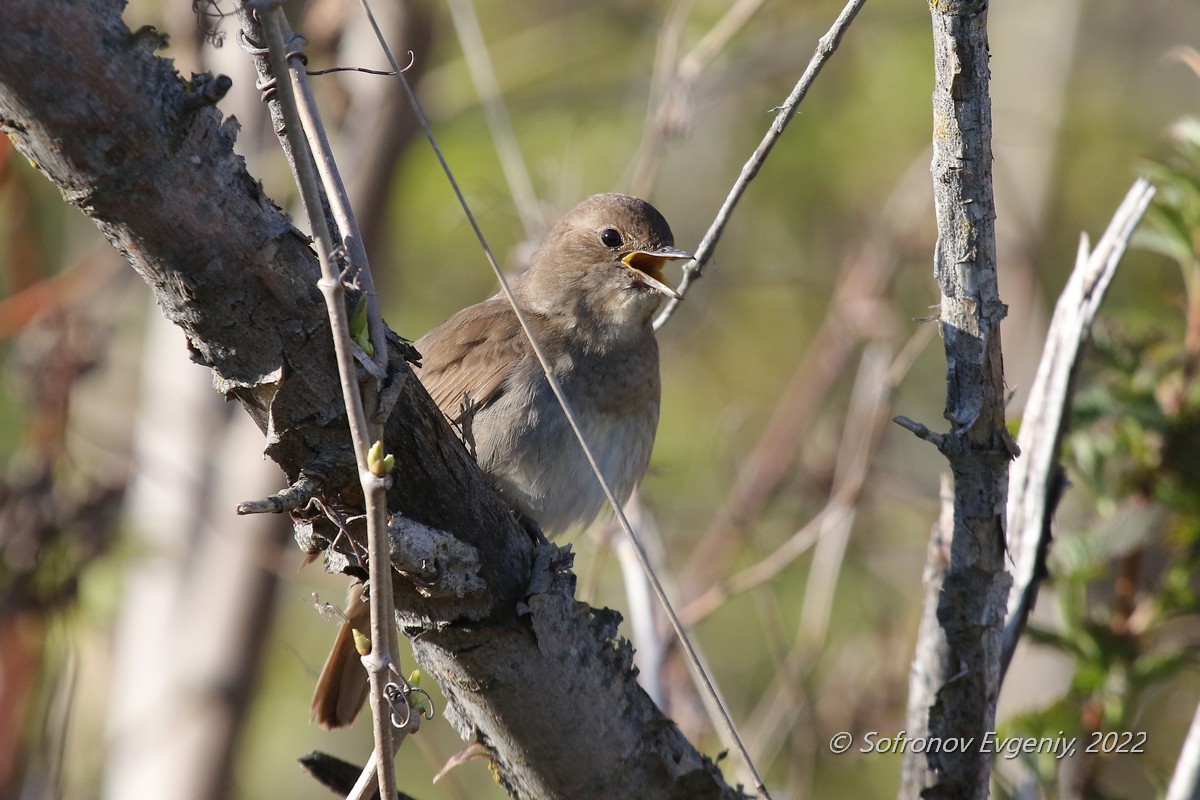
(129, 144)
(958, 660)
(694, 269)
(1037, 480)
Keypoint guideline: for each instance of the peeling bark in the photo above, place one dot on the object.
(146, 157)
(963, 672)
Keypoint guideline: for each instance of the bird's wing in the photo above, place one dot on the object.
(471, 355)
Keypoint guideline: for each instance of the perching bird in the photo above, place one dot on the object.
(590, 295)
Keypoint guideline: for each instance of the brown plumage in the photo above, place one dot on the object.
(590, 295)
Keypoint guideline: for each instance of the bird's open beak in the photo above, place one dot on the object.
(648, 264)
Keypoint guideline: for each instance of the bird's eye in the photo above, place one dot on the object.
(610, 237)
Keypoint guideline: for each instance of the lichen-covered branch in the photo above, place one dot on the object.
(964, 677)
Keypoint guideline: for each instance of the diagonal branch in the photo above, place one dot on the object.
(826, 45)
(1036, 480)
(147, 158)
(483, 75)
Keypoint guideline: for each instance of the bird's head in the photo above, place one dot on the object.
(604, 259)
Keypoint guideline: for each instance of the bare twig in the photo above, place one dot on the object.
(516, 174)
(932, 651)
(339, 204)
(865, 420)
(289, 499)
(709, 692)
(334, 202)
(717, 37)
(650, 646)
(828, 43)
(777, 713)
(381, 663)
(1034, 483)
(858, 441)
(764, 570)
(854, 313)
(673, 84)
(367, 784)
(920, 430)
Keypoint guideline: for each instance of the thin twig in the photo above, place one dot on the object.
(479, 64)
(1031, 488)
(709, 690)
(776, 716)
(920, 430)
(665, 97)
(343, 216)
(838, 510)
(289, 499)
(856, 299)
(673, 83)
(717, 37)
(650, 647)
(826, 45)
(869, 399)
(855, 312)
(381, 662)
(765, 569)
(367, 783)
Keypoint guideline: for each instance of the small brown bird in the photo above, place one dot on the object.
(590, 295)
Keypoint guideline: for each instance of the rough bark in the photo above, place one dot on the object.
(974, 588)
(144, 155)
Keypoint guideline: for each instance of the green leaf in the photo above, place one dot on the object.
(359, 329)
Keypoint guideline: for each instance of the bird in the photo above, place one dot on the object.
(590, 295)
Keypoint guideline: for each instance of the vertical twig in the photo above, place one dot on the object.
(649, 647)
(932, 651)
(869, 395)
(860, 284)
(334, 201)
(964, 665)
(381, 663)
(778, 715)
(339, 205)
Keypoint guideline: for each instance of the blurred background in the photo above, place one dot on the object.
(150, 640)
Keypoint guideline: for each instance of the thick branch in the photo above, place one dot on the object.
(971, 600)
(145, 157)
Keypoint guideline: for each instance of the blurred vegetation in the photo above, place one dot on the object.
(1075, 110)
